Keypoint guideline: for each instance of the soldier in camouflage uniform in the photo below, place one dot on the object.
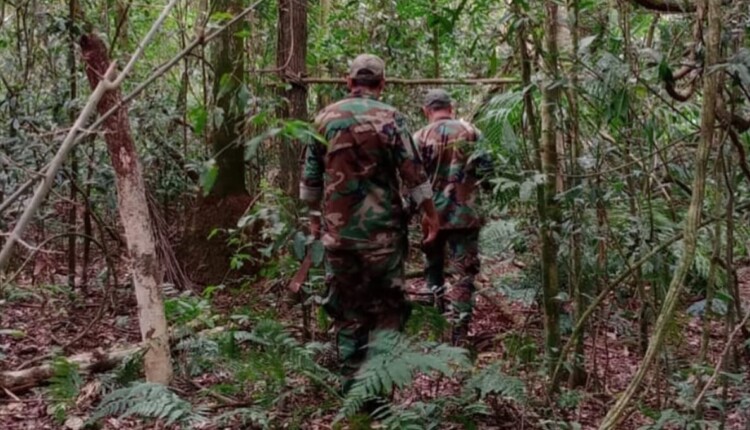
(449, 150)
(357, 176)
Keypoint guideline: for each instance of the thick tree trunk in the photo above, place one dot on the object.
(133, 208)
(550, 210)
(693, 220)
(229, 65)
(291, 54)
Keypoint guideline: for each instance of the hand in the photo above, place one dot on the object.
(430, 223)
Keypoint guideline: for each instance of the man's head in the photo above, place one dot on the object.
(367, 72)
(437, 104)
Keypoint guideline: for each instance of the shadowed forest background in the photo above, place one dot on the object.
(149, 169)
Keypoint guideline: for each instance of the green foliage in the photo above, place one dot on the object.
(427, 319)
(393, 360)
(148, 400)
(64, 387)
(492, 380)
(245, 417)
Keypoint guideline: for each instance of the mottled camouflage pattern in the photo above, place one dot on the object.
(455, 168)
(358, 175)
(365, 293)
(368, 149)
(463, 248)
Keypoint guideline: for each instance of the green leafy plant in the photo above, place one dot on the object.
(64, 387)
(393, 360)
(148, 400)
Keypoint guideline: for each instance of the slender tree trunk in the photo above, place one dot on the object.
(708, 116)
(578, 284)
(229, 65)
(73, 82)
(550, 214)
(291, 54)
(133, 208)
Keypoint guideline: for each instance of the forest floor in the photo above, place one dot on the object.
(43, 321)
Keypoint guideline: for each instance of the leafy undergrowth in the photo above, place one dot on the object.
(249, 357)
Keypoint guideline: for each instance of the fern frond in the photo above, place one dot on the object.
(245, 416)
(393, 360)
(492, 380)
(148, 400)
(64, 386)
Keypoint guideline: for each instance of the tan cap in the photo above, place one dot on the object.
(367, 66)
(437, 98)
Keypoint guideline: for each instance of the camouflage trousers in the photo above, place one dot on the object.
(462, 245)
(365, 294)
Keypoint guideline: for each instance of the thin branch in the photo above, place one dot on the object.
(51, 171)
(666, 6)
(720, 363)
(431, 81)
(108, 82)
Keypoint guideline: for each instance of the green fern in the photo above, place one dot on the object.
(64, 387)
(243, 417)
(271, 336)
(393, 360)
(492, 380)
(148, 400)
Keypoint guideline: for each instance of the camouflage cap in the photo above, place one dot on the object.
(367, 66)
(437, 98)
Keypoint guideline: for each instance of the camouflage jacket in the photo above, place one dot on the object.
(449, 150)
(358, 174)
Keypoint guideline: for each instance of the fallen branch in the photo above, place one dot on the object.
(41, 193)
(87, 362)
(667, 6)
(432, 81)
(74, 137)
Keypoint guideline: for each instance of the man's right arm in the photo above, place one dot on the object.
(414, 178)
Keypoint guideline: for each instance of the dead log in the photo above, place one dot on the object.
(87, 362)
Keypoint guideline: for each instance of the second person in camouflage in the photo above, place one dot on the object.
(357, 177)
(448, 147)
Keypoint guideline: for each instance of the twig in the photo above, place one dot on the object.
(620, 279)
(39, 247)
(106, 84)
(160, 71)
(52, 170)
(723, 357)
(431, 81)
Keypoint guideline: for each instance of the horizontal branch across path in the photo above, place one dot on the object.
(416, 82)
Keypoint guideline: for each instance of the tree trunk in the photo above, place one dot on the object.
(708, 117)
(72, 212)
(550, 210)
(133, 208)
(291, 54)
(229, 65)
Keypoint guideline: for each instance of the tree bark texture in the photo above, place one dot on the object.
(550, 210)
(708, 118)
(229, 65)
(133, 208)
(291, 54)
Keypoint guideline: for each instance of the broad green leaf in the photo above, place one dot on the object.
(208, 176)
(318, 252)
